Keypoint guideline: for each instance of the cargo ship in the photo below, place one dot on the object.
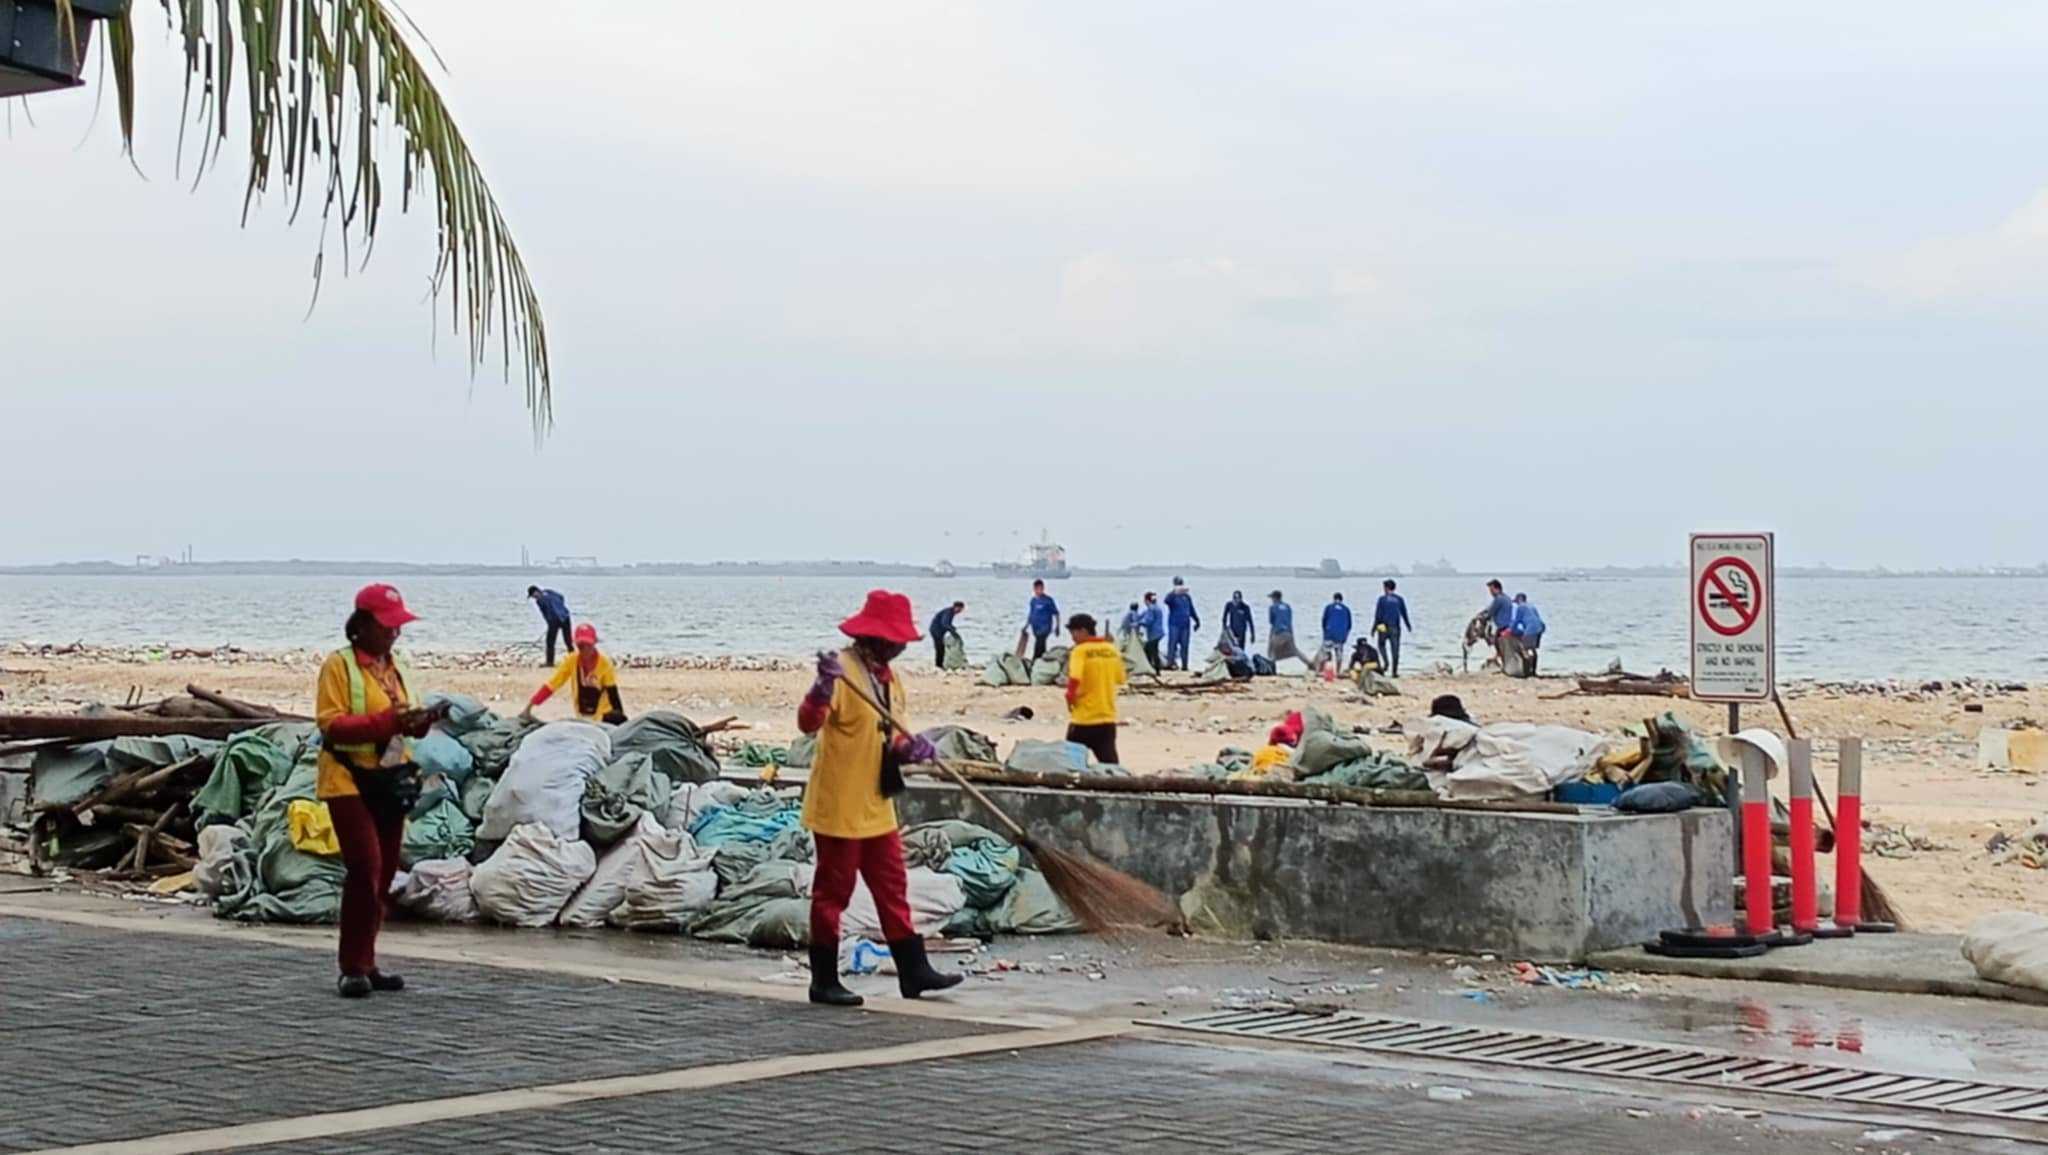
(1043, 559)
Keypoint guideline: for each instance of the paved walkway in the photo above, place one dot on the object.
(150, 1042)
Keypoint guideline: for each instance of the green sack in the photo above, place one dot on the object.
(476, 794)
(248, 767)
(801, 752)
(269, 879)
(1324, 750)
(1051, 669)
(986, 870)
(954, 654)
(442, 831)
(490, 746)
(678, 748)
(1006, 669)
(1375, 771)
(616, 797)
(1136, 662)
(959, 744)
(1032, 908)
(64, 775)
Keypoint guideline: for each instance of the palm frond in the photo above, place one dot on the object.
(322, 81)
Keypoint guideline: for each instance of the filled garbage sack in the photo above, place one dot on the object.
(620, 868)
(545, 780)
(437, 889)
(532, 876)
(674, 743)
(2010, 947)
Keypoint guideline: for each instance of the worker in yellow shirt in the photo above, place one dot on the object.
(597, 683)
(1095, 669)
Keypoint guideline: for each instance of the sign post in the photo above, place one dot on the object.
(1734, 619)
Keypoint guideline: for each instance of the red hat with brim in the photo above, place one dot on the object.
(382, 602)
(586, 634)
(886, 616)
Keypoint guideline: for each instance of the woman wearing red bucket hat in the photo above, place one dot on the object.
(847, 803)
(596, 681)
(367, 703)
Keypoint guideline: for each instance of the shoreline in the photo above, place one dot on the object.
(1920, 745)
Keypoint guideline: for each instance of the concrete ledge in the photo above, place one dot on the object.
(1913, 964)
(1551, 887)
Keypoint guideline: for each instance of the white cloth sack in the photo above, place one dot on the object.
(530, 878)
(672, 884)
(2010, 947)
(437, 889)
(620, 867)
(934, 899)
(544, 781)
(1519, 760)
(217, 846)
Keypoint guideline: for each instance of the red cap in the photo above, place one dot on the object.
(586, 634)
(886, 616)
(382, 602)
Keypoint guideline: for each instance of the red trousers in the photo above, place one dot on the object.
(369, 851)
(880, 861)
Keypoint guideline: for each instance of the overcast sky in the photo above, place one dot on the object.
(1521, 284)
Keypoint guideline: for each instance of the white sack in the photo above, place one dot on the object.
(544, 781)
(530, 878)
(672, 884)
(934, 899)
(437, 889)
(620, 867)
(217, 847)
(2010, 947)
(694, 798)
(1519, 760)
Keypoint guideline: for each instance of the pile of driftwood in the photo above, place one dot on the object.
(150, 806)
(1619, 682)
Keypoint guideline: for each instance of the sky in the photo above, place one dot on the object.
(1522, 285)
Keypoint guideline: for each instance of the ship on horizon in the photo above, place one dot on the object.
(1042, 559)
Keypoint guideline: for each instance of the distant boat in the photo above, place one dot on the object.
(1045, 559)
(944, 569)
(1441, 568)
(1330, 568)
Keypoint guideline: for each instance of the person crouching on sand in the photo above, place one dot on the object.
(848, 803)
(597, 682)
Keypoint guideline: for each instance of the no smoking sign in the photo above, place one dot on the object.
(1734, 651)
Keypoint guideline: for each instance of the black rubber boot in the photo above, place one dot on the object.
(914, 973)
(825, 985)
(386, 982)
(353, 987)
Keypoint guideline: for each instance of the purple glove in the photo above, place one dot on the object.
(913, 749)
(829, 672)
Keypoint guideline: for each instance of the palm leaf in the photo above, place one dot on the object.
(321, 81)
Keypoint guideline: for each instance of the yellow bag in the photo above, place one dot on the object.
(311, 827)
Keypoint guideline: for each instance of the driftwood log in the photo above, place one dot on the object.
(1251, 788)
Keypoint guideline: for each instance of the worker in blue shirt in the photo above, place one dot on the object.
(1527, 629)
(1500, 612)
(1182, 622)
(1280, 630)
(942, 628)
(1044, 615)
(1133, 621)
(554, 613)
(1237, 620)
(1154, 621)
(1336, 629)
(1389, 618)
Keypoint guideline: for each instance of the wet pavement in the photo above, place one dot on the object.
(177, 1007)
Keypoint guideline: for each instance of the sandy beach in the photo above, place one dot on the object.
(1920, 761)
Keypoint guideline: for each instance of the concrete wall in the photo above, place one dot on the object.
(1538, 886)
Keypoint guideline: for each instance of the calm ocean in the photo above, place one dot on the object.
(1828, 627)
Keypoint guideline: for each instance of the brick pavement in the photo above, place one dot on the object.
(1126, 1095)
(108, 1035)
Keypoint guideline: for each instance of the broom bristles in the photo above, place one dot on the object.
(1103, 898)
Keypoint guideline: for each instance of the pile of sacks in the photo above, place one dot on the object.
(267, 848)
(1308, 747)
(579, 825)
(1010, 669)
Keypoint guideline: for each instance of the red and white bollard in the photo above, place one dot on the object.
(1849, 843)
(1805, 883)
(1756, 842)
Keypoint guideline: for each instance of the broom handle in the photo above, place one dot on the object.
(942, 764)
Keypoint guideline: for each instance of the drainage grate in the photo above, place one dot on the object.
(1722, 1070)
